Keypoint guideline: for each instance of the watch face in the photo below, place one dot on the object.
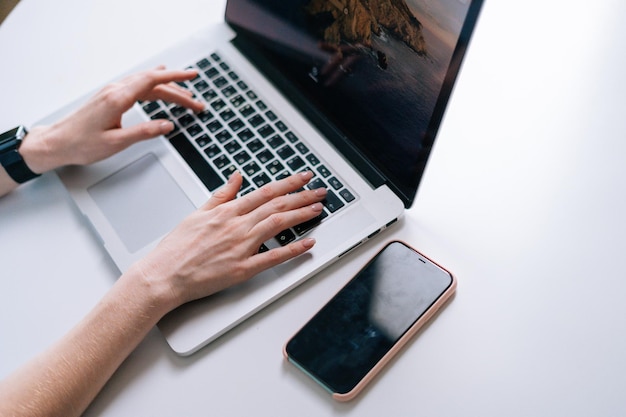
(7, 139)
(11, 159)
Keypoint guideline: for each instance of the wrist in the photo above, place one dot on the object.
(150, 289)
(36, 150)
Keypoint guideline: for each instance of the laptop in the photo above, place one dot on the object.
(352, 90)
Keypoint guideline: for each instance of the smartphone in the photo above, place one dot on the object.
(369, 320)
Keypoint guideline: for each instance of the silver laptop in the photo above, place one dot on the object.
(353, 91)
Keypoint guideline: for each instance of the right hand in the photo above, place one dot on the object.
(217, 245)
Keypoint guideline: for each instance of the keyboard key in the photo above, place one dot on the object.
(255, 146)
(229, 91)
(252, 168)
(271, 116)
(261, 179)
(312, 159)
(246, 110)
(203, 63)
(324, 172)
(291, 136)
(194, 130)
(302, 228)
(285, 237)
(186, 120)
(209, 95)
(178, 111)
(203, 140)
(346, 195)
(281, 126)
(261, 105)
(275, 141)
(221, 161)
(211, 72)
(295, 163)
(265, 156)
(332, 202)
(223, 136)
(220, 82)
(227, 114)
(207, 175)
(212, 151)
(151, 106)
(236, 124)
(242, 157)
(335, 183)
(275, 167)
(316, 183)
(218, 104)
(200, 86)
(232, 146)
(160, 115)
(285, 152)
(265, 131)
(205, 116)
(214, 126)
(301, 147)
(256, 120)
(246, 134)
(237, 100)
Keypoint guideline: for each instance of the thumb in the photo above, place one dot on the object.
(143, 131)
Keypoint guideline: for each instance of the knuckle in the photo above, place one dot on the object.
(277, 222)
(267, 191)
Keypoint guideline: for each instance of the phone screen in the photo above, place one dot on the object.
(359, 325)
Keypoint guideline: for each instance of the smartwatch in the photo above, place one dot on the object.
(11, 159)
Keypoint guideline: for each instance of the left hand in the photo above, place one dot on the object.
(94, 132)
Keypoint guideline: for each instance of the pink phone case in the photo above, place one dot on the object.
(428, 314)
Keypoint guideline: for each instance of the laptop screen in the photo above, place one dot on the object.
(379, 72)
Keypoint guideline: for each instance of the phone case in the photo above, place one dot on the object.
(411, 332)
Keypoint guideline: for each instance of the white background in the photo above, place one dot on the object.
(523, 200)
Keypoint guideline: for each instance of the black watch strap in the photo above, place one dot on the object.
(10, 157)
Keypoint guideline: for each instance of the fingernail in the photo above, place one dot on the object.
(321, 192)
(306, 175)
(308, 242)
(317, 207)
(167, 126)
(232, 177)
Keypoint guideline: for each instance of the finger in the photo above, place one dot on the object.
(272, 190)
(141, 84)
(124, 137)
(226, 193)
(175, 94)
(286, 203)
(269, 259)
(277, 222)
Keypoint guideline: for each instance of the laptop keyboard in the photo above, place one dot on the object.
(238, 130)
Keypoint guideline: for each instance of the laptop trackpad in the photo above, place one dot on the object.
(141, 201)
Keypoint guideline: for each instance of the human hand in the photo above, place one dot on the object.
(94, 131)
(217, 246)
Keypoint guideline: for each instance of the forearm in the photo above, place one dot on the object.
(64, 379)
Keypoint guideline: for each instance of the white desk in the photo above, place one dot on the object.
(523, 199)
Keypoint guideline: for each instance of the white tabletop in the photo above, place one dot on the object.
(523, 200)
